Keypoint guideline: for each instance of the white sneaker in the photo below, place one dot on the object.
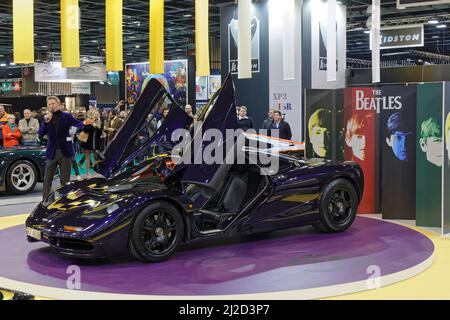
(79, 178)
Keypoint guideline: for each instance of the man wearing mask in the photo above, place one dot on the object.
(29, 127)
(3, 121)
(59, 147)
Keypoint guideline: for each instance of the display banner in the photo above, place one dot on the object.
(202, 37)
(429, 155)
(233, 40)
(319, 123)
(81, 88)
(401, 37)
(174, 78)
(361, 141)
(252, 93)
(401, 4)
(54, 72)
(70, 38)
(397, 105)
(446, 182)
(23, 31)
(114, 35)
(156, 38)
(244, 39)
(201, 88)
(319, 50)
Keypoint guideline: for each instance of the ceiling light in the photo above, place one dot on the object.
(366, 31)
(358, 28)
(188, 15)
(12, 64)
(94, 41)
(433, 21)
(44, 46)
(137, 46)
(435, 37)
(3, 65)
(338, 2)
(441, 26)
(101, 82)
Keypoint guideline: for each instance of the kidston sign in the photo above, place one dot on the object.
(401, 37)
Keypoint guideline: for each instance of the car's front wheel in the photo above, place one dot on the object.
(338, 206)
(156, 232)
(21, 177)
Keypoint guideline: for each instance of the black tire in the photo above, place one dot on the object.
(156, 233)
(21, 177)
(338, 207)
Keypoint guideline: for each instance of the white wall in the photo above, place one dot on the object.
(286, 95)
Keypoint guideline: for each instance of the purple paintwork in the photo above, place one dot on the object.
(289, 260)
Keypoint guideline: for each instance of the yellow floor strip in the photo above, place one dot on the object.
(432, 284)
(11, 221)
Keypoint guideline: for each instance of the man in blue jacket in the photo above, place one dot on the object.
(56, 126)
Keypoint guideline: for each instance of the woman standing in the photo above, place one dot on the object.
(11, 133)
(89, 138)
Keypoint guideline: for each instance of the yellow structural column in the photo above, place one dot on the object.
(23, 31)
(114, 35)
(156, 36)
(202, 37)
(70, 38)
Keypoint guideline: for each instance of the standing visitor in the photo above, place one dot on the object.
(3, 121)
(89, 138)
(59, 146)
(165, 113)
(244, 122)
(188, 110)
(267, 124)
(279, 124)
(11, 133)
(29, 127)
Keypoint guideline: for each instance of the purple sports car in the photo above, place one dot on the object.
(147, 203)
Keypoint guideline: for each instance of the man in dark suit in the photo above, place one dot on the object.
(279, 124)
(56, 126)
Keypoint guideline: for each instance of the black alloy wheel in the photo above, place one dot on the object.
(156, 233)
(338, 206)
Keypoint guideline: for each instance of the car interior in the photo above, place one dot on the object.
(240, 185)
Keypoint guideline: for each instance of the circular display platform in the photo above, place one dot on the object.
(298, 263)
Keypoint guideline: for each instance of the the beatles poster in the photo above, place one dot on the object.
(360, 142)
(397, 106)
(446, 191)
(429, 155)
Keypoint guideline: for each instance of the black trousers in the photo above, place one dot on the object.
(64, 164)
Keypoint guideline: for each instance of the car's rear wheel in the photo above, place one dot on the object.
(21, 177)
(338, 206)
(156, 232)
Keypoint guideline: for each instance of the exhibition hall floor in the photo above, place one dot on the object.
(293, 264)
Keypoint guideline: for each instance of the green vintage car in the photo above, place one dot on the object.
(21, 168)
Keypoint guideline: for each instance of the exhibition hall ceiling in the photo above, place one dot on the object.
(180, 26)
(437, 40)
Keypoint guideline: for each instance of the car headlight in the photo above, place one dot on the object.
(100, 212)
(52, 197)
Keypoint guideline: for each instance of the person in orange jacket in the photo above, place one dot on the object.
(11, 133)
